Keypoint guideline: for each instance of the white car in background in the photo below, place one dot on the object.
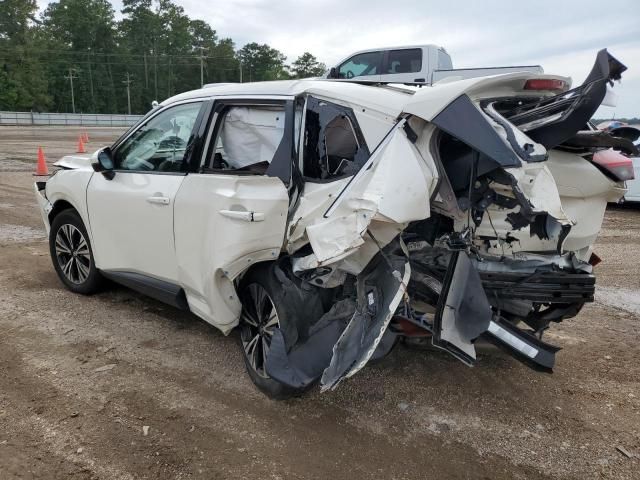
(633, 186)
(326, 219)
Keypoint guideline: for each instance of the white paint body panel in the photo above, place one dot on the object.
(394, 190)
(212, 249)
(75, 162)
(71, 186)
(633, 186)
(129, 232)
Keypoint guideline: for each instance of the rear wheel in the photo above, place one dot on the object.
(260, 318)
(72, 255)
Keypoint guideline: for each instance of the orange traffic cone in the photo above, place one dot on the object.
(86, 137)
(41, 166)
(81, 145)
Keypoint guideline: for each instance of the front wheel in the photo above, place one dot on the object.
(72, 255)
(260, 318)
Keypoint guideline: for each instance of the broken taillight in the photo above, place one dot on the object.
(552, 84)
(615, 164)
(594, 259)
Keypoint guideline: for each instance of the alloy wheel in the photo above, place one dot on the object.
(72, 253)
(259, 321)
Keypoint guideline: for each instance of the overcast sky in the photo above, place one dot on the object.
(561, 35)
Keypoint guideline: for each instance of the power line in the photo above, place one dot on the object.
(103, 54)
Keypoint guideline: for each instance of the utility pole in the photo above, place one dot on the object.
(127, 82)
(240, 62)
(155, 67)
(70, 77)
(202, 57)
(93, 100)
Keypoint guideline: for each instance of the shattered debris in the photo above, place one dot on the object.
(105, 368)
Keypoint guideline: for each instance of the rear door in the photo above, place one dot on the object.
(131, 215)
(232, 212)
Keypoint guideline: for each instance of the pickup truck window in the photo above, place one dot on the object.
(361, 65)
(404, 61)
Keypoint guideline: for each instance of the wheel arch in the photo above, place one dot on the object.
(60, 206)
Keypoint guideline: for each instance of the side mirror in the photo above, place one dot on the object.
(102, 161)
(333, 73)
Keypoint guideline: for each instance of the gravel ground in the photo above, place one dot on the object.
(118, 386)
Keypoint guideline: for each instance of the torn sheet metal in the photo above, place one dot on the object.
(394, 187)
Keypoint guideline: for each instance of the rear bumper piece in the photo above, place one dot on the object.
(521, 344)
(464, 314)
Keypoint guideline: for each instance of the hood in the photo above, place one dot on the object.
(75, 162)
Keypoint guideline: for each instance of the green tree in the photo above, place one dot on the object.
(138, 36)
(79, 36)
(155, 45)
(22, 76)
(307, 65)
(262, 62)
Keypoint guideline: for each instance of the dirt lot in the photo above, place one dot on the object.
(417, 414)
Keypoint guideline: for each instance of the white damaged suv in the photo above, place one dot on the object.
(327, 219)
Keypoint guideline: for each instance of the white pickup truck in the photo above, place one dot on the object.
(420, 64)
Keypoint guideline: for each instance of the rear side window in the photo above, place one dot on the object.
(361, 65)
(333, 145)
(404, 61)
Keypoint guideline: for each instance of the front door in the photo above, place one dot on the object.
(131, 215)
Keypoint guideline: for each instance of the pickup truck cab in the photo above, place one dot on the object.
(416, 64)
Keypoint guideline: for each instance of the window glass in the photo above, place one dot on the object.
(333, 148)
(247, 138)
(161, 143)
(444, 61)
(361, 65)
(404, 61)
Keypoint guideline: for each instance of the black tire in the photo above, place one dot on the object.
(72, 255)
(254, 327)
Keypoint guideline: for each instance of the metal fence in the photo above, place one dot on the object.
(84, 119)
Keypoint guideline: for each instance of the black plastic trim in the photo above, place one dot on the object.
(161, 290)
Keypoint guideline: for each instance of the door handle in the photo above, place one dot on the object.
(243, 215)
(160, 200)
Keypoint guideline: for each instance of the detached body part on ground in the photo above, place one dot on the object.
(328, 219)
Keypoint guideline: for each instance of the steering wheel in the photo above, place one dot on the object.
(172, 143)
(349, 74)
